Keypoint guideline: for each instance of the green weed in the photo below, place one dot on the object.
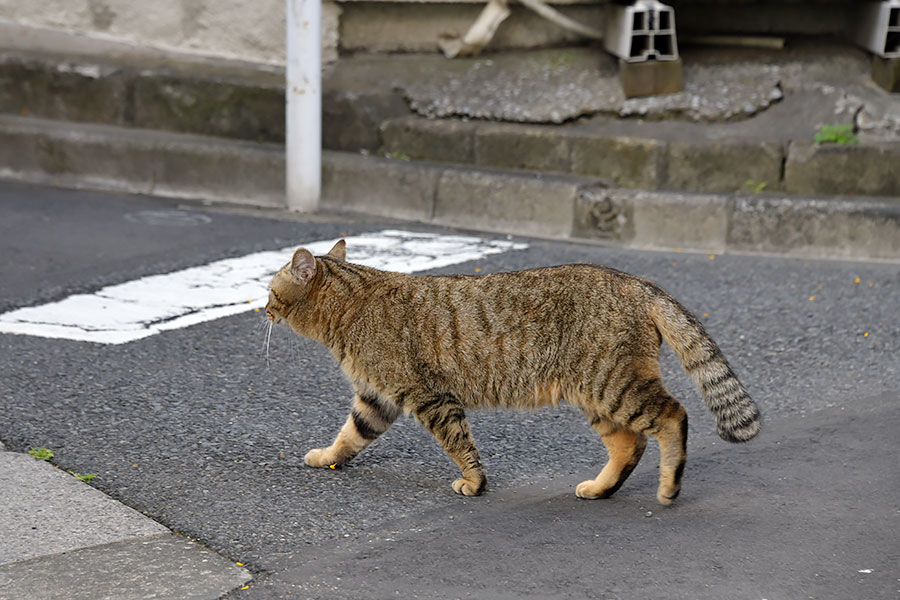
(41, 453)
(836, 134)
(752, 186)
(46, 454)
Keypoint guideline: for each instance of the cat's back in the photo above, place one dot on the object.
(563, 287)
(479, 315)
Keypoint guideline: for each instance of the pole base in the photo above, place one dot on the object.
(651, 78)
(886, 73)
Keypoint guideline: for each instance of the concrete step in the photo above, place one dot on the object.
(182, 94)
(639, 156)
(773, 152)
(364, 108)
(490, 199)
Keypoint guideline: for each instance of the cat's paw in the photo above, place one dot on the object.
(468, 487)
(665, 495)
(319, 457)
(589, 489)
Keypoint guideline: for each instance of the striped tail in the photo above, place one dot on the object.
(737, 416)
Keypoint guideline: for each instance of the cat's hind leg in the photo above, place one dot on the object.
(444, 417)
(625, 449)
(369, 418)
(639, 403)
(670, 429)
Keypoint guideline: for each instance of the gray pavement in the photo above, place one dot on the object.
(193, 430)
(783, 517)
(62, 539)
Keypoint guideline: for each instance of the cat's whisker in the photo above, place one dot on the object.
(268, 339)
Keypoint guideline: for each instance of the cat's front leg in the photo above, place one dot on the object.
(369, 418)
(444, 417)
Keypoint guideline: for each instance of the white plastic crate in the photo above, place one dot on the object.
(877, 27)
(643, 31)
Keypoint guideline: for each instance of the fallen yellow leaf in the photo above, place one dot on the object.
(332, 466)
(812, 298)
(857, 280)
(866, 334)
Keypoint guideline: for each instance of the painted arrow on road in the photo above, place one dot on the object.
(137, 309)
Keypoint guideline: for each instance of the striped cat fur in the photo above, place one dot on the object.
(436, 346)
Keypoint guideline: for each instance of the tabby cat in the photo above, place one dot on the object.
(435, 346)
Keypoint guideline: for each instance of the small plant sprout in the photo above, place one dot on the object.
(842, 135)
(755, 187)
(41, 453)
(47, 454)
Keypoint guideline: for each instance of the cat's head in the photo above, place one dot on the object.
(291, 286)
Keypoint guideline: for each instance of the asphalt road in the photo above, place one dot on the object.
(196, 429)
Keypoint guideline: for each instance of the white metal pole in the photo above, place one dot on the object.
(303, 110)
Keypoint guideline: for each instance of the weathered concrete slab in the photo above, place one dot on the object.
(142, 161)
(425, 139)
(44, 510)
(532, 147)
(352, 118)
(63, 539)
(723, 166)
(686, 221)
(159, 567)
(840, 228)
(379, 186)
(625, 160)
(536, 204)
(225, 98)
(832, 169)
(75, 91)
(195, 103)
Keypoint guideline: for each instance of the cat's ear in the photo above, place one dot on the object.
(303, 266)
(339, 251)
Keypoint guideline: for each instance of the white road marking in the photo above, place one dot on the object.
(137, 309)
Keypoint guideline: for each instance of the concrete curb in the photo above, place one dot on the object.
(141, 161)
(501, 200)
(95, 547)
(701, 165)
(588, 208)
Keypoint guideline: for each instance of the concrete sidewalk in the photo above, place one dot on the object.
(62, 539)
